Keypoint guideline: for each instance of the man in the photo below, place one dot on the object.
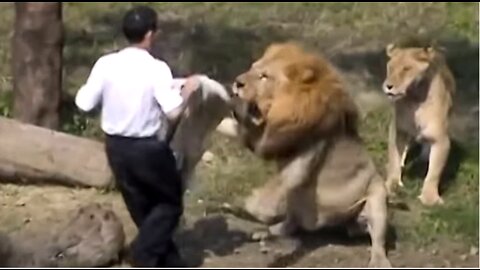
(135, 91)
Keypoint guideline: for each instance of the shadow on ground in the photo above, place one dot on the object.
(209, 236)
(308, 242)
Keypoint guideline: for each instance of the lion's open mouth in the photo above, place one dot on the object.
(255, 114)
(253, 110)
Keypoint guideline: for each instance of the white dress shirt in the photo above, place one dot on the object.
(135, 91)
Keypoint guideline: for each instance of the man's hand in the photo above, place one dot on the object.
(191, 85)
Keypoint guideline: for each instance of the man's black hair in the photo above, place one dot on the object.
(137, 22)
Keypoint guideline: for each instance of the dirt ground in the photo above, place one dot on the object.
(222, 240)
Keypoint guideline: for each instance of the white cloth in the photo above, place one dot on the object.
(135, 91)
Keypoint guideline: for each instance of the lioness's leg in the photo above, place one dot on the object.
(397, 151)
(404, 156)
(376, 212)
(438, 157)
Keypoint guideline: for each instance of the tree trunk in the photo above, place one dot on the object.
(37, 63)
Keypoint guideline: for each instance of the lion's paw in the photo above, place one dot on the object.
(263, 208)
(393, 183)
(430, 198)
(379, 261)
(283, 228)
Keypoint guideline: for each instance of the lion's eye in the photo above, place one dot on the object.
(263, 76)
(406, 68)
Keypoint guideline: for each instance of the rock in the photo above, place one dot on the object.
(20, 204)
(435, 252)
(473, 251)
(263, 247)
(27, 220)
(259, 236)
(279, 253)
(464, 257)
(208, 157)
(263, 244)
(264, 250)
(236, 251)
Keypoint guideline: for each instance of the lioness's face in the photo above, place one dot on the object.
(405, 68)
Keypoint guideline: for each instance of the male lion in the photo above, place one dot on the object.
(291, 108)
(421, 87)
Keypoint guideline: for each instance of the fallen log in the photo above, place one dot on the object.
(31, 154)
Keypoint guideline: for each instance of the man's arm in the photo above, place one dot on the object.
(89, 95)
(172, 101)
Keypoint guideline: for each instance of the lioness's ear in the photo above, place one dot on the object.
(390, 49)
(427, 54)
(430, 51)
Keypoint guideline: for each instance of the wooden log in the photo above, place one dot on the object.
(32, 154)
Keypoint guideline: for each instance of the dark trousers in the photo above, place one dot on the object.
(146, 175)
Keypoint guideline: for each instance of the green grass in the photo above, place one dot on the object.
(221, 39)
(457, 219)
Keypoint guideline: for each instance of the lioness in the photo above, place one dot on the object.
(420, 86)
(291, 107)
